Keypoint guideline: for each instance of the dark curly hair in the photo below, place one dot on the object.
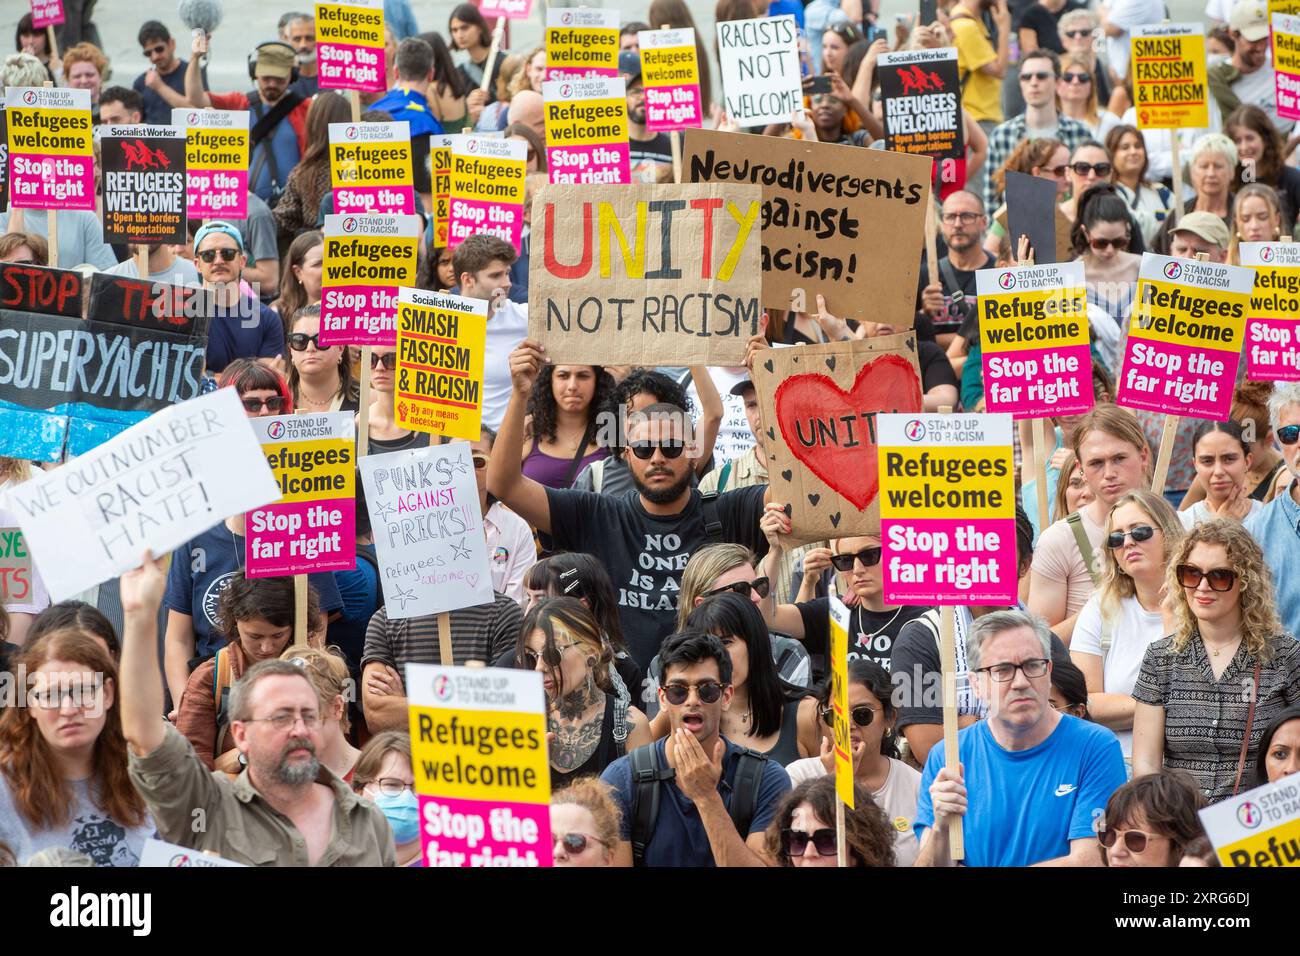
(867, 831)
(541, 403)
(270, 599)
(639, 381)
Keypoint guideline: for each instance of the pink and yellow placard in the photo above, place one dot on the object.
(51, 158)
(586, 131)
(216, 162)
(350, 45)
(1273, 319)
(581, 43)
(487, 189)
(370, 168)
(670, 76)
(367, 259)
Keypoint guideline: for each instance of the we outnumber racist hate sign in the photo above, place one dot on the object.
(479, 753)
(839, 221)
(313, 527)
(586, 131)
(819, 409)
(51, 160)
(144, 184)
(155, 486)
(428, 529)
(370, 168)
(216, 162)
(1034, 330)
(581, 43)
(1258, 828)
(441, 349)
(947, 509)
(1273, 319)
(487, 189)
(1286, 65)
(350, 45)
(670, 76)
(1170, 84)
(921, 97)
(630, 274)
(1185, 337)
(367, 259)
(761, 78)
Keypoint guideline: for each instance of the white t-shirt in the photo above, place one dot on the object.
(1127, 14)
(180, 272)
(1130, 634)
(506, 328)
(1257, 89)
(1199, 513)
(511, 550)
(897, 798)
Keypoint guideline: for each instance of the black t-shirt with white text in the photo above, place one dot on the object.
(871, 633)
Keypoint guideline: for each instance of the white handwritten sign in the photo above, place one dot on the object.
(760, 69)
(157, 853)
(428, 529)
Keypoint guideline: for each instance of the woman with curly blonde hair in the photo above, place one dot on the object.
(1207, 691)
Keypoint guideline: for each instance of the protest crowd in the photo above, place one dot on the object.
(400, 261)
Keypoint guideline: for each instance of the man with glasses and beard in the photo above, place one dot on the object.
(694, 798)
(949, 304)
(644, 540)
(1060, 769)
(284, 809)
(239, 326)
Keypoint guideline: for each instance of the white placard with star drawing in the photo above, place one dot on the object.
(428, 527)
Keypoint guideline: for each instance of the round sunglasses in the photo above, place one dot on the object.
(1190, 577)
(1135, 841)
(210, 255)
(862, 715)
(1140, 533)
(869, 557)
(676, 694)
(760, 586)
(795, 842)
(551, 656)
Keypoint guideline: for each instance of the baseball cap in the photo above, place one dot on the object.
(221, 226)
(741, 387)
(275, 59)
(1250, 19)
(629, 65)
(1206, 225)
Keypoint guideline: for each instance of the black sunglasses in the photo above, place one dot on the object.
(1082, 169)
(1288, 434)
(862, 715)
(645, 450)
(1190, 577)
(1077, 77)
(1142, 532)
(387, 359)
(298, 341)
(710, 692)
(1036, 76)
(795, 842)
(1134, 840)
(156, 50)
(210, 255)
(1119, 244)
(869, 557)
(762, 586)
(1076, 34)
(273, 404)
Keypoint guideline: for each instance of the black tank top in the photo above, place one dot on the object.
(607, 751)
(786, 749)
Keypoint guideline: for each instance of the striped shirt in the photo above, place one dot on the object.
(480, 633)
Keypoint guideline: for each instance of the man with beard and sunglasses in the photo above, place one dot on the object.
(239, 326)
(694, 798)
(284, 808)
(643, 539)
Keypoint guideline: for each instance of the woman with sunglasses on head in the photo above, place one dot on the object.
(1151, 820)
(1207, 691)
(329, 675)
(803, 831)
(383, 774)
(1108, 242)
(892, 784)
(560, 428)
(320, 378)
(1222, 457)
(300, 281)
(590, 716)
(1149, 201)
(1126, 613)
(385, 434)
(1279, 748)
(1089, 166)
(584, 824)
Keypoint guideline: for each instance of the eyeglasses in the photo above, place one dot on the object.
(862, 715)
(1077, 34)
(1134, 840)
(78, 695)
(762, 586)
(480, 461)
(1081, 78)
(1142, 532)
(1034, 667)
(869, 557)
(210, 255)
(274, 404)
(1119, 245)
(387, 359)
(1056, 171)
(158, 50)
(575, 842)
(391, 786)
(1190, 577)
(795, 842)
(298, 341)
(965, 218)
(710, 691)
(284, 720)
(1288, 434)
(645, 450)
(1036, 76)
(1083, 169)
(550, 656)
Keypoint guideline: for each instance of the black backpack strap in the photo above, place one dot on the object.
(744, 789)
(269, 120)
(646, 774)
(712, 523)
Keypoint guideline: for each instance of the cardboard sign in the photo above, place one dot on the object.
(1185, 337)
(41, 289)
(487, 189)
(154, 486)
(428, 529)
(144, 184)
(46, 13)
(841, 221)
(1258, 828)
(921, 93)
(947, 509)
(350, 45)
(586, 131)
(367, 258)
(632, 274)
(440, 166)
(441, 348)
(482, 771)
(510, 9)
(670, 76)
(313, 527)
(156, 306)
(1273, 319)
(15, 568)
(1034, 330)
(581, 44)
(761, 76)
(840, 624)
(820, 404)
(370, 168)
(216, 162)
(51, 155)
(1170, 84)
(1286, 65)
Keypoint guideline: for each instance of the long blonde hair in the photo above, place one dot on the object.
(1115, 584)
(1259, 620)
(706, 566)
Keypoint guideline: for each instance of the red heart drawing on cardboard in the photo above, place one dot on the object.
(845, 459)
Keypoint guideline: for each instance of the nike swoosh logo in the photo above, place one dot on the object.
(1065, 789)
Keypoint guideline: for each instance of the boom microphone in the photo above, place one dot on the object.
(202, 15)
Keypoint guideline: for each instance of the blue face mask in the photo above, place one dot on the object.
(403, 814)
